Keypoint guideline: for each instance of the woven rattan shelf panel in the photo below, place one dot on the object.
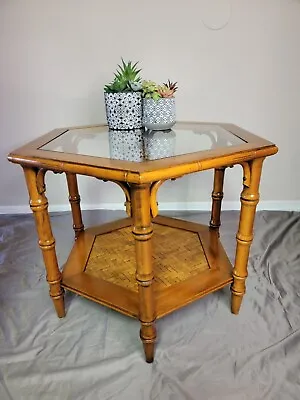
(177, 254)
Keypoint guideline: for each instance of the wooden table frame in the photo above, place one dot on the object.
(140, 183)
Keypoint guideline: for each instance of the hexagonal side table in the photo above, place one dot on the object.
(188, 262)
(142, 274)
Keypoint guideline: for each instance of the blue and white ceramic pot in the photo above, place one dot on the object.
(123, 110)
(159, 114)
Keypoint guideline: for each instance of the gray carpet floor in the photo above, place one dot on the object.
(203, 351)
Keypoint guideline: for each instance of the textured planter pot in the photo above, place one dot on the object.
(126, 145)
(159, 144)
(159, 114)
(123, 110)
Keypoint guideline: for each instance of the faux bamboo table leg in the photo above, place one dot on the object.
(74, 199)
(217, 197)
(142, 232)
(39, 206)
(249, 201)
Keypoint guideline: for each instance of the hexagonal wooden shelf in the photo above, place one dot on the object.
(188, 262)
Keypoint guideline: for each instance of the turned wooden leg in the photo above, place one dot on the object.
(249, 201)
(39, 206)
(142, 232)
(217, 196)
(74, 199)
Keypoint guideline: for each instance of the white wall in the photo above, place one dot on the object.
(57, 55)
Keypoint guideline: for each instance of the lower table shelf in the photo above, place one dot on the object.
(188, 260)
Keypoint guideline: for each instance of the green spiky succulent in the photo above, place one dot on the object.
(126, 79)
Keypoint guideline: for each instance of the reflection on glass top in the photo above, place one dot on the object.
(140, 145)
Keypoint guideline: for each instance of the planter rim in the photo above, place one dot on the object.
(132, 92)
(159, 99)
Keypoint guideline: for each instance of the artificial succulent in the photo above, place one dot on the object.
(126, 79)
(167, 90)
(151, 90)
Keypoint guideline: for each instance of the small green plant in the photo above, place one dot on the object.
(150, 90)
(126, 79)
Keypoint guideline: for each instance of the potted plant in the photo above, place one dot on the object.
(159, 112)
(123, 98)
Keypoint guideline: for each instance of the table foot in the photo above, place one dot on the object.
(149, 352)
(35, 179)
(244, 237)
(142, 233)
(148, 337)
(59, 305)
(236, 301)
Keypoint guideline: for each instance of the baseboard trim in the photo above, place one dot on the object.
(188, 206)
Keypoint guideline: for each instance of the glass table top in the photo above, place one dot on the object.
(140, 145)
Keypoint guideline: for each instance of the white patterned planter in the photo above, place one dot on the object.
(159, 114)
(123, 110)
(126, 145)
(159, 144)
